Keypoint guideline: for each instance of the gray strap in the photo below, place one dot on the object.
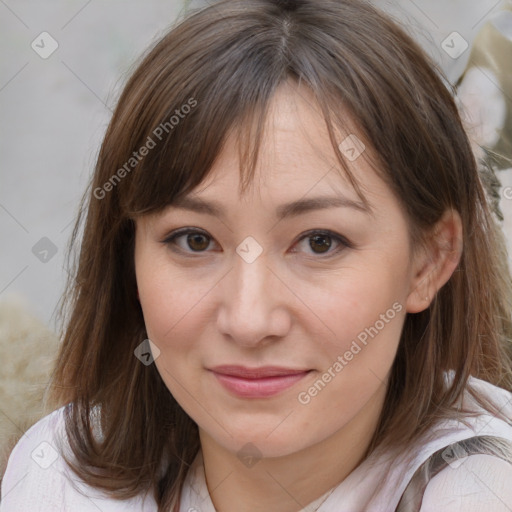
(489, 445)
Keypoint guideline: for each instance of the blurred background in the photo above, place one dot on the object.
(63, 64)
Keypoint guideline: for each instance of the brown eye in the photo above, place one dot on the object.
(188, 241)
(193, 241)
(197, 241)
(320, 243)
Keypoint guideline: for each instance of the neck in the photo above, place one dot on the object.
(291, 482)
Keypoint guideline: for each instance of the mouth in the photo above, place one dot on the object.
(257, 382)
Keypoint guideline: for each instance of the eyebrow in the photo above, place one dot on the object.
(287, 210)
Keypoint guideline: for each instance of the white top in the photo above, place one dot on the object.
(37, 479)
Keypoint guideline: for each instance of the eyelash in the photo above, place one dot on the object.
(342, 241)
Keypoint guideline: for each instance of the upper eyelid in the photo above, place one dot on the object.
(191, 230)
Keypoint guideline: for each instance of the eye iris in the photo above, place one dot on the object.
(319, 243)
(197, 237)
(321, 239)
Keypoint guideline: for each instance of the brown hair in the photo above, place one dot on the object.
(225, 63)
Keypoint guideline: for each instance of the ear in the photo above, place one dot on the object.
(434, 264)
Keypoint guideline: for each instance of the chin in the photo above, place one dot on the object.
(259, 444)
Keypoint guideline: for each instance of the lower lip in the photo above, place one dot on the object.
(258, 388)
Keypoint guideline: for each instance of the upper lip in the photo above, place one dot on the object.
(256, 373)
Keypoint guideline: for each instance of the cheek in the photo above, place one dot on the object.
(172, 308)
(364, 312)
(366, 323)
(356, 301)
(169, 298)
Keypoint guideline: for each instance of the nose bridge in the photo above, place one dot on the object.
(250, 288)
(249, 302)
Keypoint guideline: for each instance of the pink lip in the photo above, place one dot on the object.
(257, 382)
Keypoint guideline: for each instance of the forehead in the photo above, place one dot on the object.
(296, 151)
(296, 170)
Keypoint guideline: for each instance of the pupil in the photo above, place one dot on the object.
(192, 239)
(322, 242)
(325, 239)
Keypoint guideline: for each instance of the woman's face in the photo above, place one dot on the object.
(295, 274)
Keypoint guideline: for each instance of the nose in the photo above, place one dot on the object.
(253, 304)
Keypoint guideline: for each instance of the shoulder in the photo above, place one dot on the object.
(479, 483)
(34, 458)
(34, 451)
(38, 478)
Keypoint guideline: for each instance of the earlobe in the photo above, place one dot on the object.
(434, 266)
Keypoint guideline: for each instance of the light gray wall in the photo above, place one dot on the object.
(54, 112)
